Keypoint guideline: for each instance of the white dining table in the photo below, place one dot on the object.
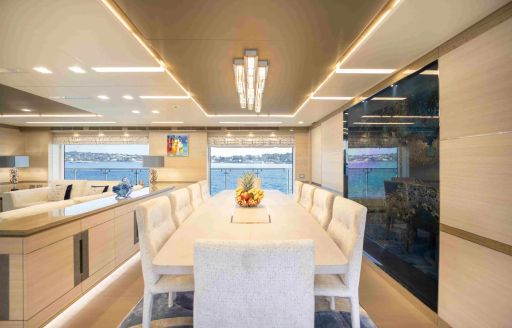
(212, 220)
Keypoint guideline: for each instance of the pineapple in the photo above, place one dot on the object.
(247, 181)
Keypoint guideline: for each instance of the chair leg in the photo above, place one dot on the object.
(354, 311)
(332, 303)
(172, 297)
(146, 309)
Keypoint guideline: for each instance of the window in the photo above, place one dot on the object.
(105, 162)
(273, 165)
(392, 167)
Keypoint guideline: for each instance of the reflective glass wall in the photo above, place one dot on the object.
(392, 167)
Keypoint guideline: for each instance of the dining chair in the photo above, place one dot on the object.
(205, 191)
(181, 206)
(322, 207)
(155, 227)
(196, 198)
(347, 231)
(254, 284)
(306, 196)
(297, 188)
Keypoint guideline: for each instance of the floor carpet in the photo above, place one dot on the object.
(180, 314)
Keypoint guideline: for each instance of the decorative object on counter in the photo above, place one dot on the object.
(247, 194)
(14, 162)
(123, 189)
(152, 162)
(177, 145)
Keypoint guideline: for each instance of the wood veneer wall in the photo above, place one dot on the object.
(475, 281)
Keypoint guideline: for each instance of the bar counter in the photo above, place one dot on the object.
(49, 260)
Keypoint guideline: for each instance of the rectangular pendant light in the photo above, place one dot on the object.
(250, 77)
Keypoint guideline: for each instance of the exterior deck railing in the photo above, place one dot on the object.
(271, 178)
(369, 182)
(133, 174)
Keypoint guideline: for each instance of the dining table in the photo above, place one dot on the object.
(213, 219)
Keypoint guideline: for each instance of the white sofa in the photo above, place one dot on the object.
(80, 192)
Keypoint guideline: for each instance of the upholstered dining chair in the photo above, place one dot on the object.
(155, 227)
(306, 196)
(347, 231)
(196, 198)
(254, 284)
(297, 188)
(181, 206)
(322, 207)
(205, 191)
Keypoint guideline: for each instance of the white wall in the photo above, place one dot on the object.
(327, 153)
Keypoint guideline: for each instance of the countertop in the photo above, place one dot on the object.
(30, 225)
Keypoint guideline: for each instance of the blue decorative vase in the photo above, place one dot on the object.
(123, 189)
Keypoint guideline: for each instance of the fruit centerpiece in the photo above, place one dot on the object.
(247, 194)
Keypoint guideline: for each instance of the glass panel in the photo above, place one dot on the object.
(273, 165)
(105, 162)
(392, 167)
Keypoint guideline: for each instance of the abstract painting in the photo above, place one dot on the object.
(177, 145)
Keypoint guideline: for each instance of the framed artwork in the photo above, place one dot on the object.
(177, 145)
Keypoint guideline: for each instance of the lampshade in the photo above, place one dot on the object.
(153, 161)
(14, 161)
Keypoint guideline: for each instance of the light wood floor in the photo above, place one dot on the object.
(110, 303)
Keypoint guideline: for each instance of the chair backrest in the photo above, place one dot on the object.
(254, 283)
(257, 183)
(181, 206)
(322, 207)
(306, 196)
(196, 199)
(297, 188)
(155, 227)
(205, 191)
(347, 231)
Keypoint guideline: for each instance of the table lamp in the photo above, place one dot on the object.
(14, 162)
(151, 162)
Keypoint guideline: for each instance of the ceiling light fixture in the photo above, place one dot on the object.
(331, 98)
(69, 97)
(136, 111)
(301, 122)
(42, 70)
(103, 97)
(383, 123)
(155, 111)
(164, 97)
(364, 70)
(150, 69)
(168, 122)
(26, 110)
(128, 97)
(69, 122)
(77, 69)
(19, 115)
(71, 115)
(246, 123)
(250, 77)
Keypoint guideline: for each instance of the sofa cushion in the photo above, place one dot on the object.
(20, 198)
(76, 190)
(56, 193)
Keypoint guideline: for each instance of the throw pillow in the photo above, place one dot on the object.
(56, 193)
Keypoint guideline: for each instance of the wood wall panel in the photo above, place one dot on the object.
(11, 245)
(316, 155)
(475, 85)
(302, 156)
(475, 284)
(332, 153)
(48, 275)
(15, 287)
(476, 185)
(101, 246)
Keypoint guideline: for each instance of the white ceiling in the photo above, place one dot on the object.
(61, 33)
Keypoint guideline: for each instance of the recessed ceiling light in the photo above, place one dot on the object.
(69, 122)
(76, 134)
(69, 97)
(71, 115)
(42, 70)
(77, 69)
(364, 70)
(245, 122)
(135, 69)
(103, 97)
(128, 97)
(155, 111)
(291, 130)
(168, 122)
(126, 134)
(26, 110)
(101, 134)
(164, 97)
(136, 111)
(301, 122)
(331, 98)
